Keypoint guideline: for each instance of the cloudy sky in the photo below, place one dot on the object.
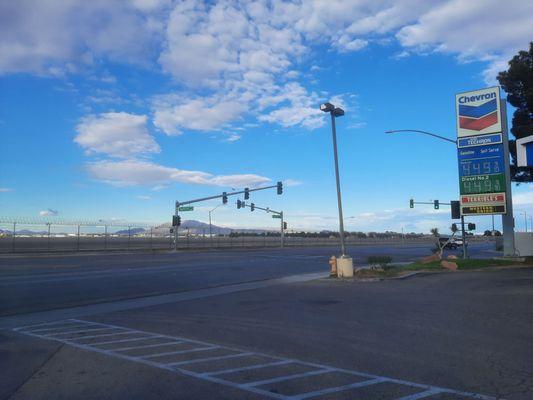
(117, 109)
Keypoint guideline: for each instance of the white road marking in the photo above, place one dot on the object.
(287, 377)
(200, 360)
(169, 353)
(146, 346)
(427, 391)
(251, 367)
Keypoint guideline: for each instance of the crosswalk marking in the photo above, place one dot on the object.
(222, 375)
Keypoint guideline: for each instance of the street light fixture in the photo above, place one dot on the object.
(336, 112)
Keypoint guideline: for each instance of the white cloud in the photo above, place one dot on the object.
(115, 134)
(132, 172)
(144, 197)
(6, 189)
(292, 182)
(57, 37)
(48, 213)
(233, 138)
(487, 30)
(175, 112)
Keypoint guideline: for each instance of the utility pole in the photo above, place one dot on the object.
(509, 249)
(282, 230)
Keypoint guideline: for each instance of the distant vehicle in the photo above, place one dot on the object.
(453, 244)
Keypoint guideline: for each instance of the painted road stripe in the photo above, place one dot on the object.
(422, 395)
(199, 360)
(287, 377)
(170, 353)
(426, 390)
(251, 367)
(78, 331)
(97, 336)
(56, 328)
(338, 388)
(124, 341)
(146, 346)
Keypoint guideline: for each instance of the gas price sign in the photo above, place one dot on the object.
(480, 153)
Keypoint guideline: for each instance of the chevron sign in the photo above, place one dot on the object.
(478, 112)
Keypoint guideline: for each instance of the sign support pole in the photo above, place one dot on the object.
(282, 231)
(176, 236)
(507, 219)
(463, 235)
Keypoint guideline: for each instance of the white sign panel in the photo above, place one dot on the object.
(478, 112)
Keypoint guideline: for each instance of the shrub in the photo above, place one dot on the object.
(382, 261)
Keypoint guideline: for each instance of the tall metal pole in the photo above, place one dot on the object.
(507, 219)
(463, 235)
(210, 236)
(176, 235)
(525, 220)
(339, 201)
(282, 231)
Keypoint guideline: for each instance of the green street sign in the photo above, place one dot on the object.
(276, 216)
(188, 208)
(477, 184)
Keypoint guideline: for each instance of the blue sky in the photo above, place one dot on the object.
(117, 109)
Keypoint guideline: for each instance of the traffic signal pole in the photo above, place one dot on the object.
(463, 235)
(268, 210)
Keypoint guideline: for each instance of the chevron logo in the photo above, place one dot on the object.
(477, 118)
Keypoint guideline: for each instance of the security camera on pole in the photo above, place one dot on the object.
(344, 262)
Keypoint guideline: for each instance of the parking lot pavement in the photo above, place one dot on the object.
(436, 337)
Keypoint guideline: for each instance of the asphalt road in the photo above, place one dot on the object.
(253, 330)
(31, 284)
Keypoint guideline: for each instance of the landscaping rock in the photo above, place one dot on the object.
(448, 265)
(452, 257)
(429, 259)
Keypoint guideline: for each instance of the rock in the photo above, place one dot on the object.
(428, 259)
(452, 257)
(449, 265)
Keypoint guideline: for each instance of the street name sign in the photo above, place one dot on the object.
(186, 208)
(480, 152)
(276, 216)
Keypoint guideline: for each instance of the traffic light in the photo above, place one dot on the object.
(224, 198)
(284, 225)
(239, 204)
(280, 187)
(436, 204)
(471, 226)
(454, 228)
(456, 209)
(252, 207)
(246, 193)
(176, 220)
(411, 203)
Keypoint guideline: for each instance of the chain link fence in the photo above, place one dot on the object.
(26, 235)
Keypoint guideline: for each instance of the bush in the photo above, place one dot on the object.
(382, 261)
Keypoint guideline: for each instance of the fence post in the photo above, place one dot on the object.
(14, 235)
(188, 243)
(129, 236)
(105, 237)
(48, 235)
(151, 238)
(78, 240)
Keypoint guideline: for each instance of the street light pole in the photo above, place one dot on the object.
(337, 179)
(344, 263)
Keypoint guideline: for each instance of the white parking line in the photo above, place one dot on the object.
(76, 332)
(124, 340)
(199, 360)
(251, 367)
(146, 346)
(426, 391)
(287, 377)
(422, 395)
(169, 353)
